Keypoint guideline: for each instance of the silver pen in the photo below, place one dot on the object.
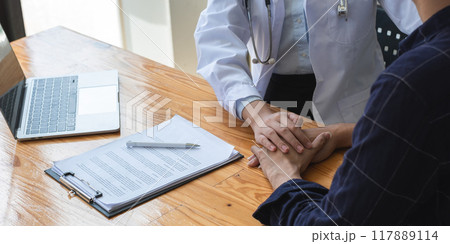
(161, 144)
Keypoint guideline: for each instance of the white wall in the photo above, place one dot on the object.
(163, 30)
(146, 28)
(184, 17)
(99, 19)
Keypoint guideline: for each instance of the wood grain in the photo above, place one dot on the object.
(227, 196)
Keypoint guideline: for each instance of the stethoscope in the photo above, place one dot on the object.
(269, 59)
(342, 11)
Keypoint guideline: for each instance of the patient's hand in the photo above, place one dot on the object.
(327, 149)
(312, 134)
(342, 138)
(279, 167)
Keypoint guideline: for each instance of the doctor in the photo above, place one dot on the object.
(343, 50)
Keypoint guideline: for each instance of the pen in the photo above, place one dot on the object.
(161, 144)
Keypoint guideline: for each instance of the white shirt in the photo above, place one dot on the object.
(293, 52)
(345, 55)
(296, 55)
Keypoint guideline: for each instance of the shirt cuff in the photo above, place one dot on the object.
(291, 194)
(241, 103)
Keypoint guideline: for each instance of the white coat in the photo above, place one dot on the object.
(345, 55)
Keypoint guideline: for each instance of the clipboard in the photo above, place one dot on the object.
(73, 190)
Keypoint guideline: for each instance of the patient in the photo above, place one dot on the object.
(398, 169)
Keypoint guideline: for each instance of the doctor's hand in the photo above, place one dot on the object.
(274, 129)
(279, 167)
(341, 138)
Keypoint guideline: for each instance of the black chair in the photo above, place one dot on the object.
(389, 36)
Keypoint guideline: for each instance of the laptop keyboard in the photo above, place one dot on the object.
(53, 105)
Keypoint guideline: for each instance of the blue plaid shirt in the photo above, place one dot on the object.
(398, 170)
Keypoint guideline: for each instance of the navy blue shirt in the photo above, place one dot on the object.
(398, 169)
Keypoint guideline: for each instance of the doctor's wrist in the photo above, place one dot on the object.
(258, 108)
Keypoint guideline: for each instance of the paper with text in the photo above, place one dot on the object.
(124, 174)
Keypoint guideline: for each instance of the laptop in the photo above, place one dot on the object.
(46, 107)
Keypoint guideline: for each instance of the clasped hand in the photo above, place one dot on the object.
(280, 167)
(275, 129)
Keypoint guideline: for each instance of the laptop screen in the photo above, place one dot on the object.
(12, 81)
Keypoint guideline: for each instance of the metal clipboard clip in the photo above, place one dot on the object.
(74, 190)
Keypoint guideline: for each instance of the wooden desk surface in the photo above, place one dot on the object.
(227, 196)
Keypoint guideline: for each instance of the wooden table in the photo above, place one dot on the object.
(227, 196)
